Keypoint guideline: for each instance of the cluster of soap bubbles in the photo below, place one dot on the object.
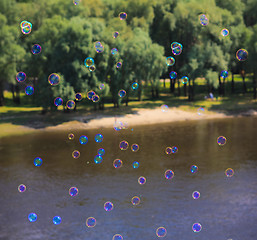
(21, 77)
(118, 125)
(170, 150)
(176, 48)
(91, 95)
(26, 27)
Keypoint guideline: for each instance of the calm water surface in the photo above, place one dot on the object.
(226, 209)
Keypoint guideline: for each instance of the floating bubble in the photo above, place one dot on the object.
(58, 101)
(36, 49)
(90, 94)
(117, 163)
(54, 79)
(135, 200)
(224, 74)
(168, 150)
(92, 68)
(38, 161)
(89, 62)
(70, 104)
(117, 237)
(241, 55)
(21, 188)
(91, 222)
(118, 64)
(174, 149)
(32, 217)
(184, 80)
(164, 108)
(118, 126)
(26, 27)
(224, 32)
(203, 20)
(83, 139)
(161, 232)
(75, 154)
(134, 147)
(176, 48)
(123, 16)
(115, 34)
(99, 47)
(78, 96)
(141, 180)
(114, 51)
(135, 85)
(197, 227)
(170, 61)
(99, 138)
(108, 206)
(169, 174)
(200, 111)
(73, 191)
(71, 136)
(76, 2)
(101, 151)
(229, 172)
(195, 195)
(95, 98)
(101, 86)
(173, 75)
(194, 169)
(98, 159)
(29, 90)
(122, 93)
(135, 164)
(124, 145)
(21, 77)
(221, 140)
(57, 220)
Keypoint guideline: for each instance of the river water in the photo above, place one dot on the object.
(226, 209)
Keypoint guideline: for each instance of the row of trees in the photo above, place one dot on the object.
(67, 34)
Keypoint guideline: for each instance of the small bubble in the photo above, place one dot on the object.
(135, 200)
(169, 174)
(117, 237)
(36, 49)
(58, 101)
(83, 139)
(73, 191)
(124, 145)
(54, 79)
(21, 188)
(98, 159)
(75, 154)
(91, 222)
(135, 164)
(99, 138)
(197, 227)
(71, 136)
(229, 172)
(29, 90)
(141, 180)
(57, 220)
(32, 217)
(134, 147)
(108, 206)
(195, 195)
(221, 140)
(117, 163)
(123, 16)
(38, 161)
(21, 77)
(161, 232)
(194, 169)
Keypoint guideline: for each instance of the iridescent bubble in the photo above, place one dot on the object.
(134, 147)
(200, 111)
(101, 151)
(29, 90)
(194, 169)
(70, 104)
(78, 96)
(124, 145)
(117, 163)
(241, 55)
(170, 61)
(118, 64)
(54, 79)
(76, 2)
(229, 172)
(101, 86)
(203, 20)
(90, 94)
(89, 62)
(164, 108)
(224, 74)
(174, 149)
(114, 51)
(135, 85)
(118, 125)
(224, 32)
(32, 217)
(73, 191)
(169, 174)
(197, 227)
(98, 159)
(117, 237)
(195, 195)
(168, 150)
(123, 16)
(71, 136)
(95, 98)
(38, 161)
(99, 47)
(122, 93)
(135, 200)
(173, 75)
(108, 206)
(26, 27)
(57, 220)
(83, 139)
(135, 164)
(141, 180)
(36, 49)
(161, 232)
(221, 140)
(92, 68)
(99, 138)
(184, 80)
(21, 188)
(176, 48)
(91, 222)
(21, 77)
(58, 101)
(115, 34)
(75, 154)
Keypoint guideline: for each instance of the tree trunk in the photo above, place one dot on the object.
(139, 93)
(17, 90)
(1, 93)
(164, 83)
(193, 90)
(232, 84)
(185, 89)
(254, 85)
(220, 86)
(244, 85)
(152, 90)
(12, 90)
(178, 88)
(157, 92)
(223, 87)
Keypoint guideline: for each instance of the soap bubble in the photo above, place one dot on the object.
(117, 163)
(169, 174)
(241, 55)
(71, 136)
(135, 85)
(161, 232)
(92, 68)
(135, 200)
(229, 172)
(135, 164)
(194, 169)
(224, 74)
(203, 20)
(200, 111)
(114, 51)
(57, 220)
(123, 16)
(22, 188)
(54, 79)
(173, 75)
(197, 227)
(115, 34)
(90, 94)
(75, 154)
(83, 139)
(99, 47)
(98, 159)
(38, 161)
(101, 151)
(108, 206)
(164, 108)
(99, 138)
(184, 80)
(29, 90)
(118, 64)
(70, 104)
(58, 101)
(141, 180)
(221, 140)
(117, 237)
(224, 32)
(78, 96)
(32, 217)
(170, 61)
(73, 191)
(91, 222)
(195, 195)
(89, 62)
(176, 48)
(21, 77)
(95, 98)
(124, 145)
(134, 147)
(122, 93)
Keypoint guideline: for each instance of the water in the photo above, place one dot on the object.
(226, 209)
